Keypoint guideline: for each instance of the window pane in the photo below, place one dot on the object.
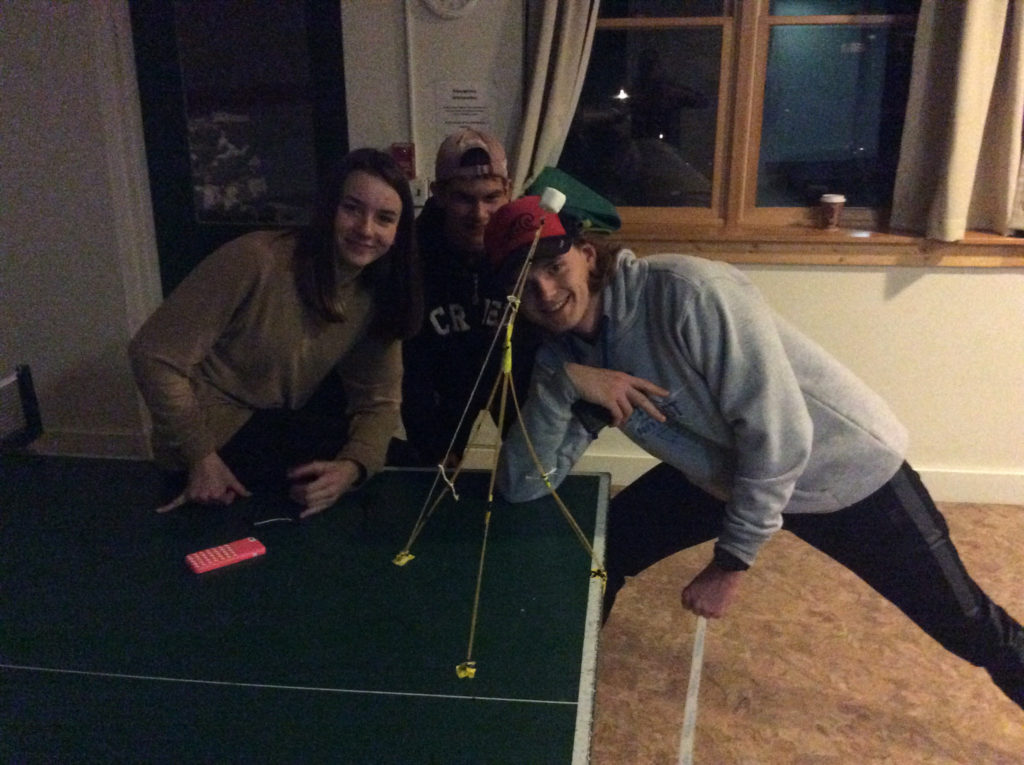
(249, 101)
(616, 9)
(833, 114)
(644, 131)
(833, 7)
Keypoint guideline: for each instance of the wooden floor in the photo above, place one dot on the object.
(811, 666)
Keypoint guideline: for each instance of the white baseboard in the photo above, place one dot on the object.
(988, 487)
(945, 485)
(624, 468)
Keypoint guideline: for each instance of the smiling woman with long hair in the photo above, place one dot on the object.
(276, 364)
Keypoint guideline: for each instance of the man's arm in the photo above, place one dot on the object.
(712, 591)
(424, 422)
(167, 350)
(618, 392)
(548, 429)
(372, 375)
(735, 343)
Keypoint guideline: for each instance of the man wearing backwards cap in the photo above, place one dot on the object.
(756, 426)
(464, 305)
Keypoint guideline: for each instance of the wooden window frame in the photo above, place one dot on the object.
(733, 228)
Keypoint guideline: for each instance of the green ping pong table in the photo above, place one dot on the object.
(320, 650)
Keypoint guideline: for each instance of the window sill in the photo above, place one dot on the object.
(803, 244)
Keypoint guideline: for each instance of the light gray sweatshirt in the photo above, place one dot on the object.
(758, 414)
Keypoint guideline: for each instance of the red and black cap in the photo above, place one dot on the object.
(511, 230)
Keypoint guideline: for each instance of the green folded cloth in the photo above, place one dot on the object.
(594, 212)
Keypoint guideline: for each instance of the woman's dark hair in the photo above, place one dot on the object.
(395, 279)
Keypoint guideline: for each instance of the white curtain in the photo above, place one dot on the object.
(960, 157)
(563, 41)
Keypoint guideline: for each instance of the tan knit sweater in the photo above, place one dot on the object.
(234, 337)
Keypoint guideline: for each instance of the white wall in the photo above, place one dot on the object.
(945, 347)
(78, 263)
(386, 40)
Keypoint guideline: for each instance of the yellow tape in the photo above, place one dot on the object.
(402, 558)
(506, 363)
(466, 670)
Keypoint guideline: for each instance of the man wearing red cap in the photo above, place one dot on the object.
(757, 428)
(464, 306)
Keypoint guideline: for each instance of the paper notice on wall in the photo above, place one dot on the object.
(462, 104)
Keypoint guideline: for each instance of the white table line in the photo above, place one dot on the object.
(686, 737)
(282, 687)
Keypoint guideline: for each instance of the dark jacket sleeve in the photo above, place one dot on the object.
(425, 425)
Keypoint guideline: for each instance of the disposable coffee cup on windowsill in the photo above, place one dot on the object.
(831, 210)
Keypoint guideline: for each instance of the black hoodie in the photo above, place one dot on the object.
(464, 312)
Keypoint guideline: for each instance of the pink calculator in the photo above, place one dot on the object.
(225, 555)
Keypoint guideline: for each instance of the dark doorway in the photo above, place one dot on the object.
(243, 109)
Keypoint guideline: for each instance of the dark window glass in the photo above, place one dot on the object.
(843, 7)
(249, 100)
(833, 114)
(644, 131)
(660, 8)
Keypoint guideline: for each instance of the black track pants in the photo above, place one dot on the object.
(896, 540)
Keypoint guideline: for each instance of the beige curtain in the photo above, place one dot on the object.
(564, 35)
(960, 157)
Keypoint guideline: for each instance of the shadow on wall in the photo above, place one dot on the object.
(91, 407)
(899, 280)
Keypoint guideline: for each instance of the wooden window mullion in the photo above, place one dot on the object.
(746, 115)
